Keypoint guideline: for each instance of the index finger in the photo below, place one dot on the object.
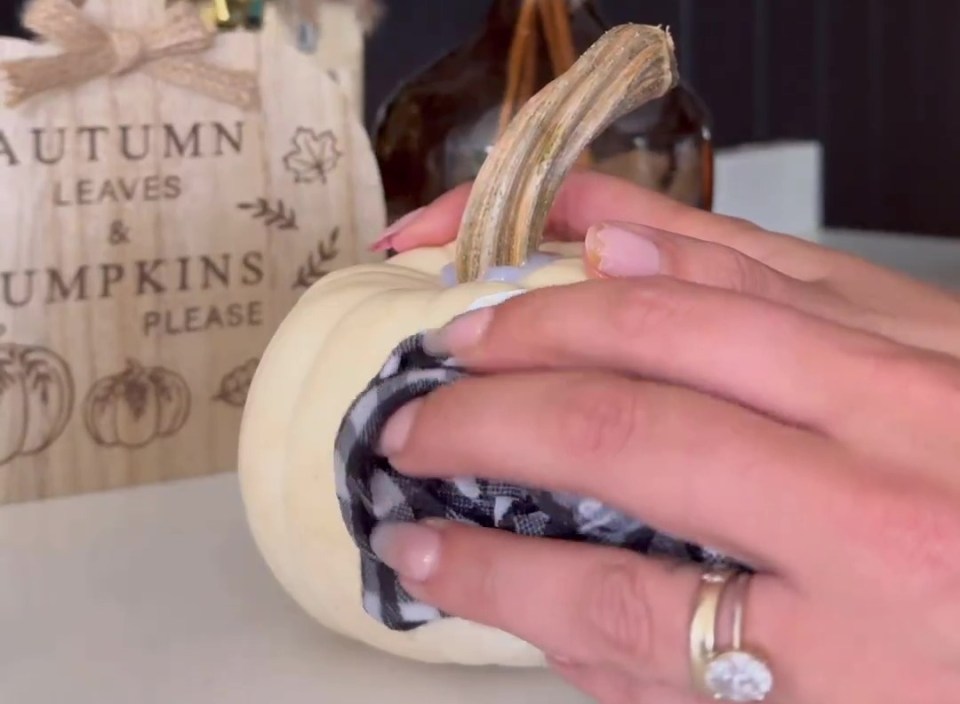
(697, 468)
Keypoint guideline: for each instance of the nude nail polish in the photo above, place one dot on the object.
(383, 242)
(410, 549)
(461, 333)
(619, 252)
(394, 435)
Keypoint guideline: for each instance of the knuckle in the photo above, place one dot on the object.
(617, 611)
(920, 381)
(647, 309)
(741, 223)
(927, 380)
(917, 375)
(715, 265)
(934, 525)
(475, 582)
(745, 274)
(595, 419)
(915, 532)
(925, 537)
(490, 595)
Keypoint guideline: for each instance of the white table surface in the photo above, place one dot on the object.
(156, 595)
(933, 259)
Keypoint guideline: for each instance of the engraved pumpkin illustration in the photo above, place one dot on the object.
(36, 399)
(137, 406)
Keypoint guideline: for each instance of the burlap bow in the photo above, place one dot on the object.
(165, 52)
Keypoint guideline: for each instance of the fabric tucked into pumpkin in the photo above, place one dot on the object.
(370, 490)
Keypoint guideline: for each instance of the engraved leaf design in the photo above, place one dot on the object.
(235, 385)
(314, 155)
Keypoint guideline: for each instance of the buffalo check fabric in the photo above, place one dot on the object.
(369, 491)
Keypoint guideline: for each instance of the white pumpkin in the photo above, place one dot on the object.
(340, 333)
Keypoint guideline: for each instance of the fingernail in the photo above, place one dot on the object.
(617, 252)
(410, 549)
(383, 242)
(461, 333)
(394, 435)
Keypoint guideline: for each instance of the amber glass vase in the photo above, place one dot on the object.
(436, 130)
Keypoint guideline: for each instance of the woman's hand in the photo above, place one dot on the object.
(668, 238)
(824, 456)
(807, 440)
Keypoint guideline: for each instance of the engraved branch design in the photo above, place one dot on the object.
(313, 269)
(279, 215)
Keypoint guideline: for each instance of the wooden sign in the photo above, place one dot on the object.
(160, 216)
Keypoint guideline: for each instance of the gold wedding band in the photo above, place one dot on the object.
(734, 674)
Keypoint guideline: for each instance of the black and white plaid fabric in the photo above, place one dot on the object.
(370, 491)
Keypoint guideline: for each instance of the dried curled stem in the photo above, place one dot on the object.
(512, 195)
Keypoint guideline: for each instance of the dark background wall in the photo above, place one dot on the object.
(874, 80)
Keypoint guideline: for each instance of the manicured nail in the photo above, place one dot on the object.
(394, 435)
(617, 252)
(562, 660)
(461, 333)
(384, 241)
(410, 549)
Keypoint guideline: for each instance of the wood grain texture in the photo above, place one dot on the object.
(511, 197)
(154, 239)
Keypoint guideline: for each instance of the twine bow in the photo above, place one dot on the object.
(91, 51)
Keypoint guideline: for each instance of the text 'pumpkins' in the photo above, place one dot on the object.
(344, 327)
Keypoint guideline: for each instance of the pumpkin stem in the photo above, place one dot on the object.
(507, 211)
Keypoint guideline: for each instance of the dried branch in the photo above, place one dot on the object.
(280, 216)
(313, 270)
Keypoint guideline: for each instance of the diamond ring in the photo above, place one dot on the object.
(734, 674)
